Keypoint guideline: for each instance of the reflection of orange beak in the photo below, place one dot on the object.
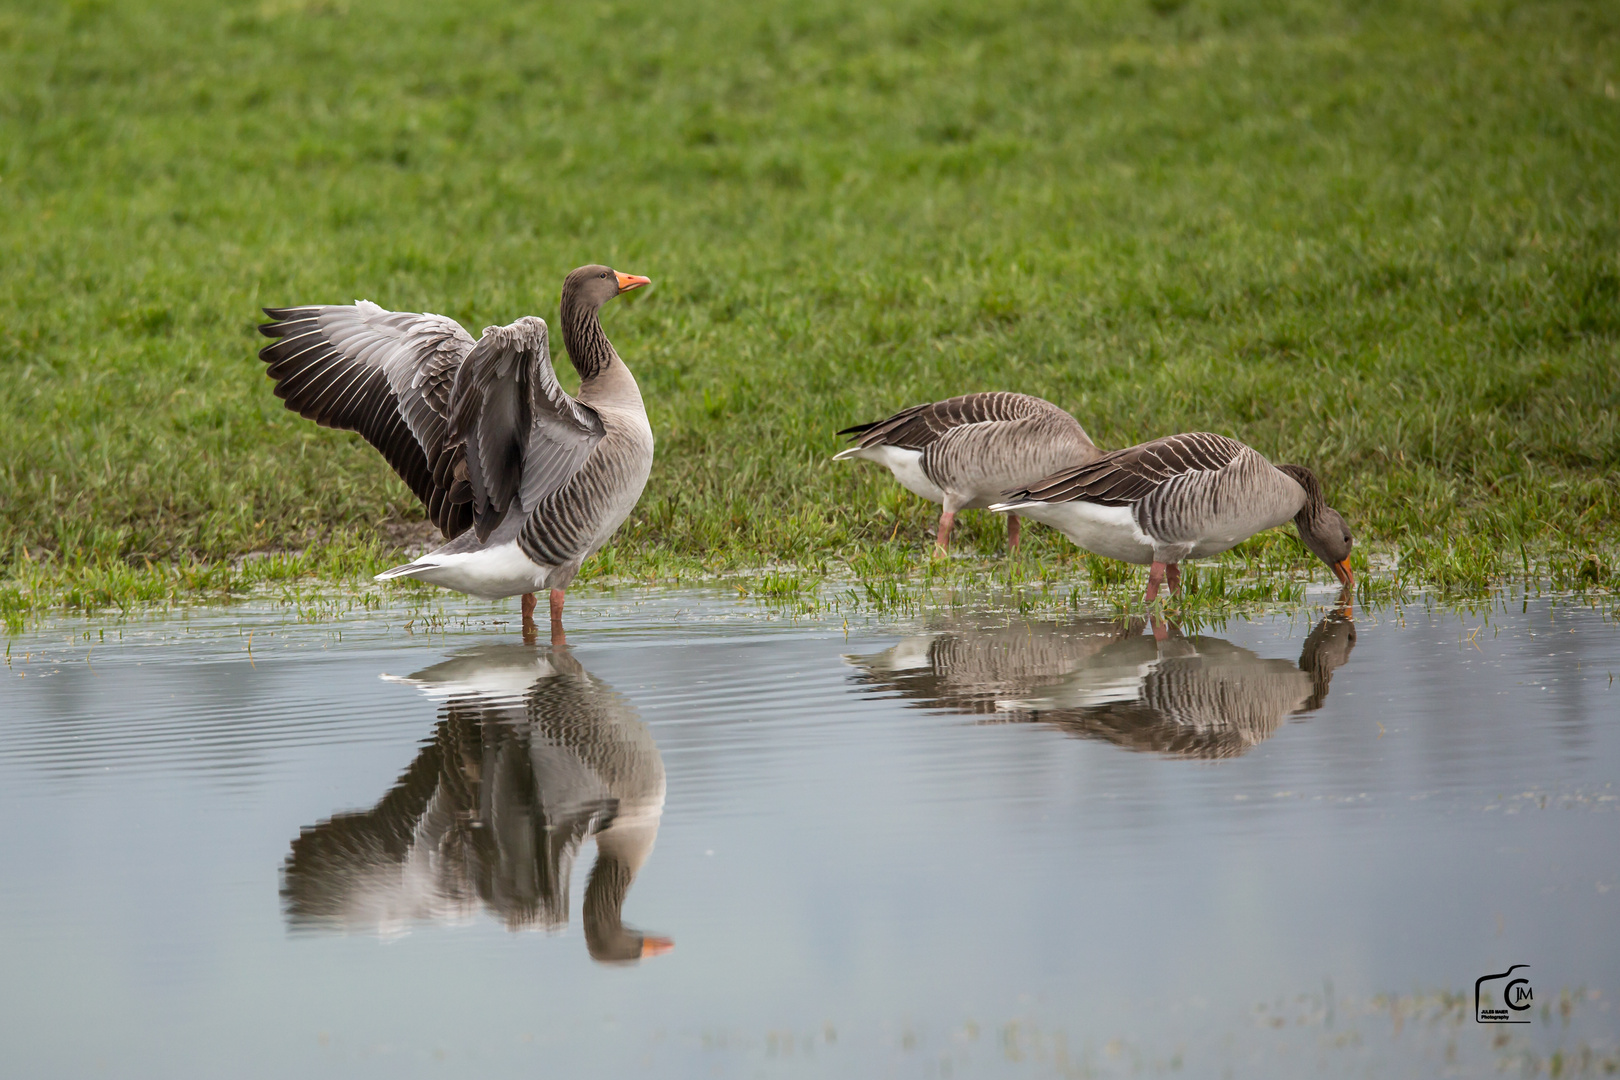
(631, 281)
(654, 946)
(1341, 570)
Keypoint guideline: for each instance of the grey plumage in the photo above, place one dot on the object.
(976, 446)
(1184, 496)
(1102, 679)
(1126, 477)
(524, 436)
(531, 756)
(966, 451)
(385, 374)
(567, 522)
(482, 431)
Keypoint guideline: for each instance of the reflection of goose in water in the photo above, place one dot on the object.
(1196, 696)
(531, 756)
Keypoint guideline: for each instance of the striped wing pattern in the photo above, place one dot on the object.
(1126, 477)
(922, 425)
(524, 436)
(386, 375)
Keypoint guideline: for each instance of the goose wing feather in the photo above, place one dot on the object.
(524, 435)
(1126, 477)
(384, 374)
(922, 425)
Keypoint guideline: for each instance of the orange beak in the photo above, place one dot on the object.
(631, 281)
(654, 946)
(1341, 570)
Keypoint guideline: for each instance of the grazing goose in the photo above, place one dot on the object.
(1102, 679)
(531, 756)
(1185, 496)
(966, 451)
(524, 481)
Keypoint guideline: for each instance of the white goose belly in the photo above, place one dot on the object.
(906, 465)
(492, 573)
(1110, 531)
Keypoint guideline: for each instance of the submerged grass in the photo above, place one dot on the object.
(1379, 239)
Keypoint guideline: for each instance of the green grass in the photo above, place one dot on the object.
(1380, 239)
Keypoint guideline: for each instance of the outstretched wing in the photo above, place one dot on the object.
(921, 425)
(384, 374)
(523, 435)
(1127, 476)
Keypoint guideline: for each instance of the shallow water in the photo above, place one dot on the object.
(705, 842)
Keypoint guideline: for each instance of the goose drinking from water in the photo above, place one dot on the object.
(966, 451)
(1185, 496)
(523, 480)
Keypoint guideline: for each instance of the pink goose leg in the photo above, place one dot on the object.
(1172, 577)
(558, 639)
(530, 631)
(1012, 531)
(943, 540)
(1155, 579)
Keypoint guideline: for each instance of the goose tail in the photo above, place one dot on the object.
(411, 569)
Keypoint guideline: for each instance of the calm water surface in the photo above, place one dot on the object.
(705, 842)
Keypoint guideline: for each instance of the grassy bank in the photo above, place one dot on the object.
(1380, 241)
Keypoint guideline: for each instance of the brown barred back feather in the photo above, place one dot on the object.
(1125, 477)
(922, 425)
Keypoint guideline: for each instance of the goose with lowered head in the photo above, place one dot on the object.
(1185, 496)
(524, 481)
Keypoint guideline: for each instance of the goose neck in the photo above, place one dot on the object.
(1314, 502)
(588, 346)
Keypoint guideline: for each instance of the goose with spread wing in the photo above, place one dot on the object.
(966, 451)
(524, 481)
(1185, 496)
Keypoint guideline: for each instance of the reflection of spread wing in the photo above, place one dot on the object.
(409, 858)
(495, 808)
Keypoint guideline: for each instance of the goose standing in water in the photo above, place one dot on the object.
(1185, 496)
(966, 451)
(524, 481)
(531, 757)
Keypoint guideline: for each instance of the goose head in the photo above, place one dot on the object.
(590, 287)
(1329, 539)
(1321, 527)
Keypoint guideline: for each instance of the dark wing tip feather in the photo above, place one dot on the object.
(352, 391)
(285, 320)
(859, 429)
